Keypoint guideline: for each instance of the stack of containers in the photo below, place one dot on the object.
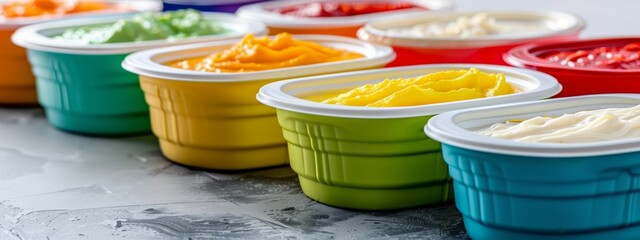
(17, 86)
(228, 6)
(83, 87)
(333, 25)
(212, 120)
(412, 40)
(376, 158)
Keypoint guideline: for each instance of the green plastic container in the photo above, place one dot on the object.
(84, 89)
(376, 158)
(342, 162)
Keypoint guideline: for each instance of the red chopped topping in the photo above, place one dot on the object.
(341, 9)
(626, 57)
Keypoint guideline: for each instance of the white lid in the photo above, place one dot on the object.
(562, 24)
(37, 36)
(149, 62)
(286, 94)
(263, 12)
(456, 128)
(131, 6)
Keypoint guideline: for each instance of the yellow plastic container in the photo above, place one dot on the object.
(213, 120)
(17, 84)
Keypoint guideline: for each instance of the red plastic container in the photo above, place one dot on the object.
(578, 80)
(488, 49)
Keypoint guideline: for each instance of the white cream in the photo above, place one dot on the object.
(481, 24)
(581, 127)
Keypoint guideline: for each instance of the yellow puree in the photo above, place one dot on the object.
(256, 54)
(439, 87)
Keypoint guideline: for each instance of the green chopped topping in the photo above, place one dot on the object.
(146, 26)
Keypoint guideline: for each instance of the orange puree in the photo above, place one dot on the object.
(32, 8)
(256, 54)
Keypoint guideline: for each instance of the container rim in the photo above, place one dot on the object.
(31, 37)
(446, 128)
(262, 12)
(203, 3)
(525, 55)
(372, 31)
(134, 5)
(274, 94)
(147, 63)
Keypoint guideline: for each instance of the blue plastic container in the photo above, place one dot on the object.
(513, 190)
(229, 6)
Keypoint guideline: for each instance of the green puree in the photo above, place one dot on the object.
(146, 26)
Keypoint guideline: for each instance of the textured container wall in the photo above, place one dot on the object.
(214, 125)
(367, 161)
(17, 84)
(340, 31)
(89, 94)
(484, 55)
(528, 195)
(586, 83)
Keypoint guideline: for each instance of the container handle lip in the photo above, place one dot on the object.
(379, 35)
(30, 37)
(445, 129)
(375, 55)
(274, 95)
(262, 12)
(525, 55)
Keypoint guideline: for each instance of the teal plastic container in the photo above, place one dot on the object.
(83, 87)
(512, 190)
(375, 158)
(89, 93)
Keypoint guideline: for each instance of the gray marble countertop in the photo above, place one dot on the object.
(55, 185)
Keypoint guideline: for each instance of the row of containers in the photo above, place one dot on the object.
(221, 103)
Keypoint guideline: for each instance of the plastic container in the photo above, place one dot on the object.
(483, 49)
(229, 6)
(376, 158)
(513, 190)
(212, 120)
(101, 98)
(343, 26)
(578, 81)
(17, 86)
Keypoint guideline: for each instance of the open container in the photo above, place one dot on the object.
(343, 26)
(578, 80)
(229, 6)
(17, 86)
(212, 120)
(475, 49)
(376, 158)
(83, 87)
(513, 190)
